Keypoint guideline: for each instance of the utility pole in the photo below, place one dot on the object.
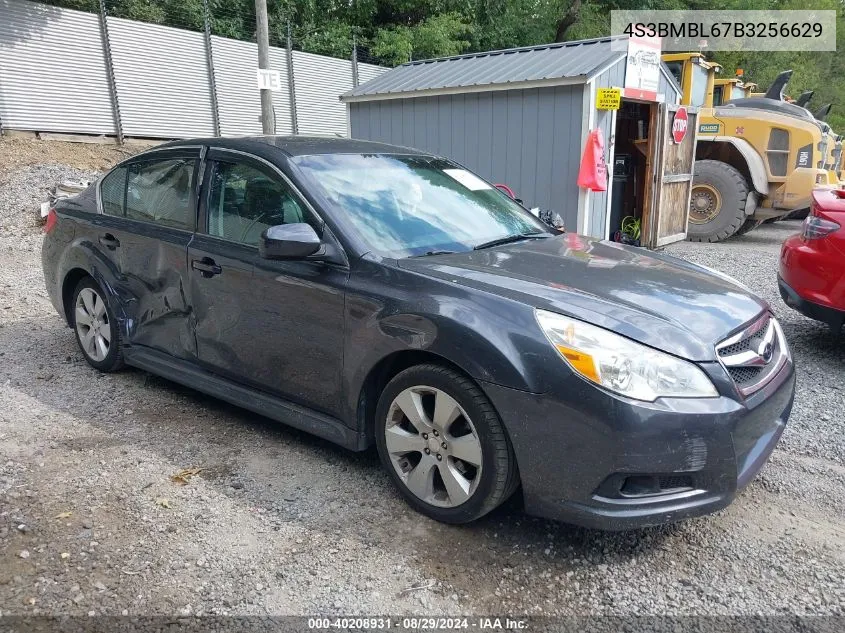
(294, 118)
(262, 34)
(115, 107)
(209, 62)
(354, 61)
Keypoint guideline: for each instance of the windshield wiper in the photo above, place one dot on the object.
(507, 239)
(426, 254)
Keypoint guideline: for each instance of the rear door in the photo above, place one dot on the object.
(274, 325)
(150, 243)
(674, 162)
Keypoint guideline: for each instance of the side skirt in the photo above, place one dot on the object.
(278, 409)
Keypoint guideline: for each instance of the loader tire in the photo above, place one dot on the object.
(749, 225)
(798, 214)
(717, 204)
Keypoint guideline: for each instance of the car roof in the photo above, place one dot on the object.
(296, 145)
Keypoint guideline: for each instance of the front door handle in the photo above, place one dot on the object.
(109, 241)
(206, 266)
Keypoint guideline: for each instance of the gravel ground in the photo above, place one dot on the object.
(278, 522)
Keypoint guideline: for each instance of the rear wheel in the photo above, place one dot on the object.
(95, 327)
(717, 202)
(444, 445)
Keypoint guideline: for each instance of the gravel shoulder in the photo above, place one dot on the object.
(279, 522)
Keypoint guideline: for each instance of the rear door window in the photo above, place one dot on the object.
(162, 191)
(113, 192)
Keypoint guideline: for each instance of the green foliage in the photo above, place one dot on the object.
(441, 35)
(444, 34)
(333, 39)
(394, 45)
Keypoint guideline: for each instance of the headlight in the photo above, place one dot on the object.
(621, 365)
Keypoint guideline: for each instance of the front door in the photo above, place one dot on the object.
(676, 137)
(273, 325)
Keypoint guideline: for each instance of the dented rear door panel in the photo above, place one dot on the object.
(153, 260)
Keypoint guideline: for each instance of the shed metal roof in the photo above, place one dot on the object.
(547, 64)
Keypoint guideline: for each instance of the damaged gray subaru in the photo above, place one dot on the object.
(378, 296)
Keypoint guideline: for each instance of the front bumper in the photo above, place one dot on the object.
(578, 455)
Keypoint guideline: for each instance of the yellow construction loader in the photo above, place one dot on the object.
(734, 88)
(757, 158)
(832, 159)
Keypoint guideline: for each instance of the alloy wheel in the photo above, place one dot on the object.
(433, 446)
(92, 324)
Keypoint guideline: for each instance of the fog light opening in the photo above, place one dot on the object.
(639, 485)
(651, 485)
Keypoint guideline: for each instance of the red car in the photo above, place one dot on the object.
(812, 263)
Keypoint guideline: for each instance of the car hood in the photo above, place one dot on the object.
(655, 299)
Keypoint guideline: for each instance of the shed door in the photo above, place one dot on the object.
(673, 177)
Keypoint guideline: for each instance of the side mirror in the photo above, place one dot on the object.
(552, 219)
(289, 241)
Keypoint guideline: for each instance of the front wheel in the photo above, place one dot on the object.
(444, 445)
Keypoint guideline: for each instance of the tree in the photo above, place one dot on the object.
(569, 18)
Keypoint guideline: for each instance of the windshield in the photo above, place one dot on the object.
(402, 206)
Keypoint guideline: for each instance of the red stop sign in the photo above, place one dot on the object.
(679, 124)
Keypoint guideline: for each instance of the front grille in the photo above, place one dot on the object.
(753, 356)
(778, 151)
(778, 139)
(744, 375)
(736, 348)
(749, 343)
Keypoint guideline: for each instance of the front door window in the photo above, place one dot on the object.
(245, 201)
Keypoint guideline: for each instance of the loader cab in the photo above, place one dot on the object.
(725, 90)
(696, 77)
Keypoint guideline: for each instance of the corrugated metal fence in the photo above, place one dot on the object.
(54, 78)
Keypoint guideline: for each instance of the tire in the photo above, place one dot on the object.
(103, 350)
(715, 179)
(748, 225)
(484, 486)
(798, 214)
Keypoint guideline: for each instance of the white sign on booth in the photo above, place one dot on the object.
(642, 70)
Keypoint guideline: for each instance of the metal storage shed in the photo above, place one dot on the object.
(519, 117)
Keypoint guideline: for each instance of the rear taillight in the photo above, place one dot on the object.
(815, 227)
(52, 218)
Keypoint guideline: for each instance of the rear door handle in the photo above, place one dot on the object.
(206, 266)
(109, 241)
